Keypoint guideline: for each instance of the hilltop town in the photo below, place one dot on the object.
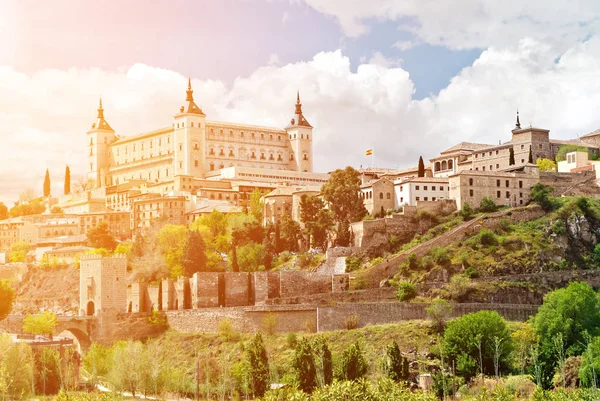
(213, 227)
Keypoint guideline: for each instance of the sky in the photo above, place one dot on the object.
(406, 78)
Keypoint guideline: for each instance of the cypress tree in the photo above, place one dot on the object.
(327, 364)
(530, 155)
(259, 366)
(511, 156)
(234, 262)
(393, 363)
(304, 365)
(194, 258)
(67, 180)
(353, 363)
(421, 171)
(47, 184)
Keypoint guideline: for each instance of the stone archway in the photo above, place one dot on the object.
(90, 309)
(82, 338)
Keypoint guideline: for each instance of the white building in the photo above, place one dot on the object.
(411, 190)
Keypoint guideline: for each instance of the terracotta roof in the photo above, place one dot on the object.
(289, 191)
(70, 249)
(423, 179)
(593, 133)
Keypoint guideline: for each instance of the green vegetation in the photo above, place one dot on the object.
(100, 237)
(546, 165)
(7, 298)
(406, 291)
(40, 324)
(467, 212)
(487, 205)
(67, 186)
(18, 251)
(561, 154)
(47, 184)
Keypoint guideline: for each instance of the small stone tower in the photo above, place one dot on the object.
(102, 284)
(300, 136)
(189, 127)
(100, 136)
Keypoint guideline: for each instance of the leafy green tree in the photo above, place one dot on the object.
(258, 362)
(194, 258)
(439, 312)
(304, 366)
(235, 266)
(406, 291)
(100, 237)
(546, 164)
(511, 156)
(172, 239)
(353, 364)
(316, 219)
(56, 210)
(47, 371)
(589, 372)
(571, 314)
(18, 251)
(16, 369)
(3, 211)
(47, 184)
(561, 154)
(487, 205)
(470, 342)
(7, 298)
(27, 209)
(251, 257)
(421, 168)
(342, 194)
(542, 195)
(325, 360)
(394, 366)
(97, 362)
(67, 181)
(40, 324)
(256, 205)
(216, 221)
(124, 248)
(466, 211)
(290, 234)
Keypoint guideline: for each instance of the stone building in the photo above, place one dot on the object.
(378, 196)
(285, 201)
(102, 284)
(485, 157)
(505, 188)
(195, 146)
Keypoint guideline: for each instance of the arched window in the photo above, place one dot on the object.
(444, 165)
(437, 166)
(212, 166)
(389, 196)
(450, 164)
(381, 195)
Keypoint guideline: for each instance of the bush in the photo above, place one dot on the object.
(406, 291)
(268, 324)
(353, 364)
(487, 205)
(542, 195)
(292, 340)
(458, 287)
(413, 261)
(439, 312)
(559, 227)
(351, 322)
(354, 263)
(466, 212)
(487, 237)
(226, 331)
(440, 257)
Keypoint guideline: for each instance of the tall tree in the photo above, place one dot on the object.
(290, 233)
(47, 184)
(511, 156)
(7, 297)
(100, 237)
(40, 324)
(235, 267)
(259, 365)
(421, 168)
(530, 156)
(3, 211)
(194, 257)
(67, 180)
(256, 205)
(342, 194)
(394, 365)
(353, 364)
(316, 218)
(304, 366)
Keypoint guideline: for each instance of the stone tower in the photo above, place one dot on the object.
(102, 284)
(100, 136)
(189, 127)
(300, 136)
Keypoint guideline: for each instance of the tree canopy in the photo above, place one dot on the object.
(47, 184)
(7, 298)
(561, 154)
(471, 342)
(316, 218)
(3, 211)
(100, 237)
(194, 258)
(259, 365)
(40, 324)
(18, 251)
(546, 164)
(421, 168)
(67, 189)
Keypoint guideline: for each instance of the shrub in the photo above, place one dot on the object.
(487, 205)
(559, 227)
(351, 322)
(458, 286)
(226, 331)
(542, 195)
(393, 365)
(487, 237)
(466, 212)
(413, 261)
(292, 340)
(268, 324)
(354, 263)
(440, 256)
(471, 272)
(504, 225)
(406, 291)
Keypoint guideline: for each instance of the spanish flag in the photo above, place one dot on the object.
(369, 152)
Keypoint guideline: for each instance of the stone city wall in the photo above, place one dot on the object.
(575, 184)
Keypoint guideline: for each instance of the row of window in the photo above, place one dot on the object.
(444, 165)
(425, 187)
(369, 195)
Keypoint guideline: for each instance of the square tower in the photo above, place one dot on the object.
(101, 136)
(102, 284)
(300, 136)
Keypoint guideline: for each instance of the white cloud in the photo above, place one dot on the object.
(404, 44)
(285, 18)
(380, 60)
(471, 23)
(43, 117)
(273, 60)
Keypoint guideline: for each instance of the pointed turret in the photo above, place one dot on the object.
(298, 116)
(101, 123)
(191, 107)
(518, 125)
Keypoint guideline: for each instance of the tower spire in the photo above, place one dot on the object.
(189, 92)
(298, 96)
(100, 110)
(518, 125)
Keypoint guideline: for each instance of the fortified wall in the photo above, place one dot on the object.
(215, 290)
(370, 234)
(570, 184)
